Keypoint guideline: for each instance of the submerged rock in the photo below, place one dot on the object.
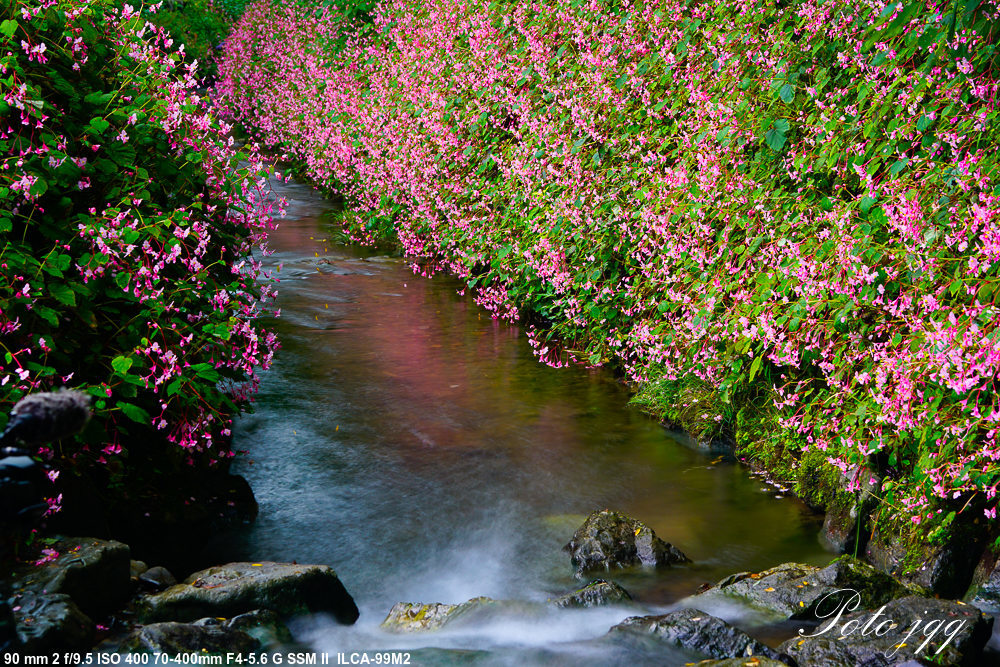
(51, 622)
(238, 588)
(609, 540)
(694, 631)
(594, 594)
(912, 628)
(794, 590)
(171, 638)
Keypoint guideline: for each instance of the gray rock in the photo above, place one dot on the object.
(794, 590)
(608, 540)
(957, 635)
(694, 631)
(172, 638)
(50, 622)
(406, 617)
(985, 589)
(594, 594)
(157, 578)
(238, 588)
(136, 567)
(94, 573)
(946, 570)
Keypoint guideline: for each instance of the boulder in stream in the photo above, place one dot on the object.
(238, 588)
(694, 631)
(595, 594)
(608, 540)
(406, 617)
(912, 628)
(794, 590)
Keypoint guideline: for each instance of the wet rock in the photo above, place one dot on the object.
(794, 590)
(912, 628)
(985, 589)
(594, 594)
(609, 540)
(94, 573)
(694, 631)
(946, 570)
(51, 622)
(238, 588)
(405, 617)
(136, 567)
(172, 638)
(263, 625)
(417, 617)
(157, 578)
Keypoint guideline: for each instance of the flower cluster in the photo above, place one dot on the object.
(127, 227)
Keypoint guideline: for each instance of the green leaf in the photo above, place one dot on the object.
(8, 27)
(98, 125)
(775, 139)
(787, 93)
(134, 412)
(121, 364)
(898, 166)
(63, 293)
(755, 366)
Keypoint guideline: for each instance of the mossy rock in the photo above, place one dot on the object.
(406, 617)
(176, 638)
(595, 594)
(692, 630)
(238, 588)
(608, 540)
(795, 590)
(958, 639)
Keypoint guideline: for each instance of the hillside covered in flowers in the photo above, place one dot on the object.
(780, 220)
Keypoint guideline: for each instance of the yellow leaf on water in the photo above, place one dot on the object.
(638, 530)
(768, 589)
(802, 604)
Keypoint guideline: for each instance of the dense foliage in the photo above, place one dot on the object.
(795, 202)
(200, 25)
(127, 221)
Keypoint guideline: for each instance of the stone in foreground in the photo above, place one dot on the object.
(694, 631)
(238, 588)
(608, 540)
(794, 590)
(595, 594)
(51, 622)
(955, 635)
(175, 638)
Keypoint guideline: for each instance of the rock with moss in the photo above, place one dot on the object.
(172, 638)
(406, 617)
(595, 594)
(608, 540)
(238, 588)
(692, 630)
(985, 589)
(51, 622)
(945, 569)
(795, 590)
(912, 628)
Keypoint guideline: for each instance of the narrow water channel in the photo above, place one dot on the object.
(414, 444)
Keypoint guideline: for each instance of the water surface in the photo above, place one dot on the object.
(414, 444)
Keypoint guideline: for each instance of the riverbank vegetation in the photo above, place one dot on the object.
(127, 225)
(781, 220)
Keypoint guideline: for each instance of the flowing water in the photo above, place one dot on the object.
(415, 444)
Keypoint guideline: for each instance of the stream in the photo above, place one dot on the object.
(413, 443)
